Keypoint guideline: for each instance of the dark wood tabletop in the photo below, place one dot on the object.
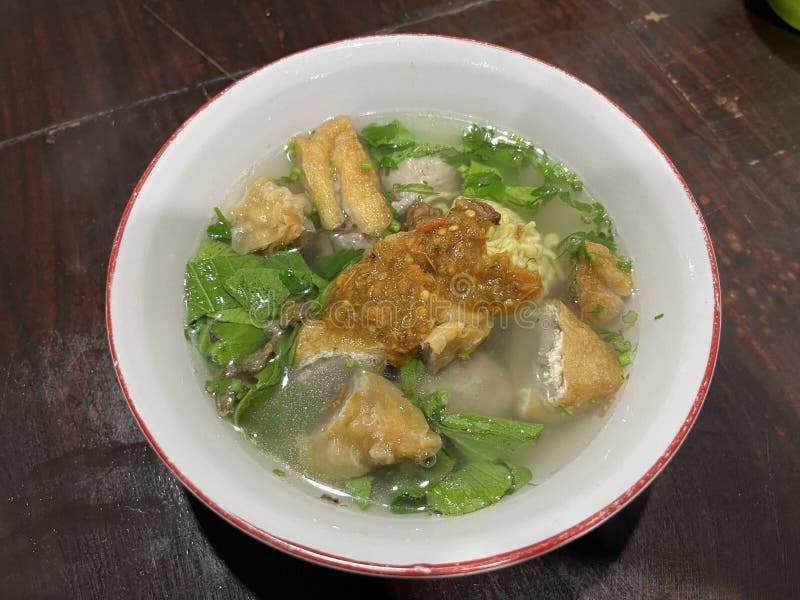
(90, 89)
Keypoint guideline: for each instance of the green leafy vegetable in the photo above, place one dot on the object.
(520, 475)
(297, 276)
(483, 446)
(331, 266)
(483, 181)
(480, 437)
(409, 375)
(574, 245)
(212, 249)
(221, 228)
(234, 315)
(476, 485)
(504, 151)
(245, 289)
(433, 406)
(604, 227)
(508, 153)
(360, 489)
(390, 144)
(229, 341)
(408, 491)
(392, 135)
(529, 197)
(260, 291)
(555, 172)
(275, 369)
(595, 214)
(205, 284)
(232, 388)
(270, 376)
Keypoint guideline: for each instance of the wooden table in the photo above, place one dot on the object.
(90, 89)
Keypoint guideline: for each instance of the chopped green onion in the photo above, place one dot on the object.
(659, 316)
(279, 472)
(462, 354)
(625, 264)
(623, 348)
(293, 175)
(365, 166)
(393, 227)
(630, 317)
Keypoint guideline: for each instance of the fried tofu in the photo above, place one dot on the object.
(577, 369)
(314, 155)
(319, 339)
(361, 195)
(447, 340)
(600, 285)
(334, 146)
(372, 425)
(268, 217)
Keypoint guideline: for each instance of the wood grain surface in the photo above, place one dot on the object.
(90, 89)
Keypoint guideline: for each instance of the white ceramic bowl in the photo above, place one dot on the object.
(675, 273)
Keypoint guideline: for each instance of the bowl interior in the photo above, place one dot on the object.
(621, 167)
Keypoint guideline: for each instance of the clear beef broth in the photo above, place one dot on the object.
(486, 383)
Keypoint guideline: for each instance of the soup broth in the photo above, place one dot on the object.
(535, 327)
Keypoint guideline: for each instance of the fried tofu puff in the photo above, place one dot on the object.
(320, 339)
(314, 155)
(449, 339)
(361, 195)
(575, 369)
(268, 217)
(334, 148)
(600, 285)
(372, 425)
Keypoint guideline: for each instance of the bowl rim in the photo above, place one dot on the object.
(422, 569)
